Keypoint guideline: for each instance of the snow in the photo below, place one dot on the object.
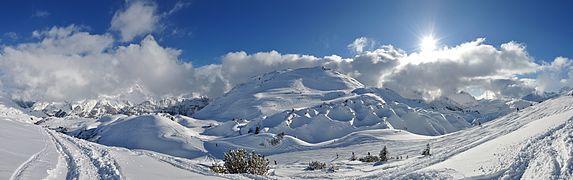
(32, 152)
(153, 133)
(325, 116)
(18, 155)
(96, 108)
(493, 156)
(279, 91)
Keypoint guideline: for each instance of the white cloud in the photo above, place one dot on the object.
(450, 70)
(359, 44)
(555, 75)
(138, 18)
(68, 64)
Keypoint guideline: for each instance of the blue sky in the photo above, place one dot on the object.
(206, 30)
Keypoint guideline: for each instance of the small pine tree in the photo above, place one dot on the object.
(257, 130)
(426, 151)
(384, 154)
(258, 164)
(236, 161)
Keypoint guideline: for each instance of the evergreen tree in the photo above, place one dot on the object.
(236, 161)
(257, 164)
(384, 154)
(426, 151)
(353, 157)
(257, 130)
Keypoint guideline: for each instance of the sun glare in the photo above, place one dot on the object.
(428, 43)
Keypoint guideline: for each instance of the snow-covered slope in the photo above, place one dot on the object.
(539, 147)
(534, 143)
(152, 132)
(278, 91)
(173, 135)
(32, 152)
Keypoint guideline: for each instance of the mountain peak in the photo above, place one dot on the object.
(278, 91)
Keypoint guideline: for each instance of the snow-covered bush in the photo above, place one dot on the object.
(277, 139)
(353, 157)
(332, 168)
(236, 161)
(218, 168)
(239, 161)
(315, 165)
(426, 151)
(369, 158)
(257, 164)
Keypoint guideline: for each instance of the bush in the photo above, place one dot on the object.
(353, 157)
(236, 161)
(426, 151)
(332, 168)
(239, 161)
(257, 164)
(277, 139)
(369, 158)
(315, 165)
(217, 168)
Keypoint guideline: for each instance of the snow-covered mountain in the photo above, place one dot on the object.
(95, 108)
(277, 91)
(319, 104)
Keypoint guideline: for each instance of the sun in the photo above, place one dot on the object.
(428, 43)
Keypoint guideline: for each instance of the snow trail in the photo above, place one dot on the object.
(18, 173)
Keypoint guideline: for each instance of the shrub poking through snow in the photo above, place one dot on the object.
(383, 154)
(369, 158)
(236, 161)
(239, 161)
(218, 168)
(426, 151)
(258, 164)
(316, 165)
(277, 139)
(353, 157)
(332, 168)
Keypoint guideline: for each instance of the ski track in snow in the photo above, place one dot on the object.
(548, 155)
(19, 172)
(85, 161)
